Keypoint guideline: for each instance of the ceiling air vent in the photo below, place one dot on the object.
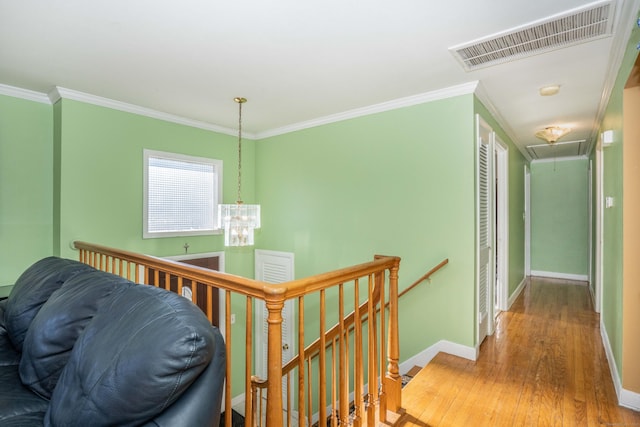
(580, 25)
(558, 149)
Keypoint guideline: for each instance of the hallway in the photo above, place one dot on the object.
(544, 366)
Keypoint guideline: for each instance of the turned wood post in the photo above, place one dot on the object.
(393, 378)
(274, 303)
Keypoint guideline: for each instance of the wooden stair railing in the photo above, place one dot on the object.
(379, 279)
(334, 338)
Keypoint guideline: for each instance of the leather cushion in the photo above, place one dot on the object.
(9, 356)
(140, 352)
(17, 401)
(32, 289)
(55, 329)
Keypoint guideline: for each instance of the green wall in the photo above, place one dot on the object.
(99, 179)
(560, 217)
(396, 183)
(612, 218)
(26, 185)
(400, 182)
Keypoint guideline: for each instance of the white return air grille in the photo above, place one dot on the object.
(576, 26)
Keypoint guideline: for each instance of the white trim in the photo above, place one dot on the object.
(197, 255)
(29, 95)
(626, 398)
(527, 220)
(216, 195)
(462, 89)
(444, 346)
(514, 296)
(58, 93)
(599, 217)
(565, 276)
(484, 98)
(560, 159)
(501, 278)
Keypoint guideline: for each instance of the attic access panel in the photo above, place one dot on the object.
(580, 25)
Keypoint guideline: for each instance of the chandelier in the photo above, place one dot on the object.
(239, 220)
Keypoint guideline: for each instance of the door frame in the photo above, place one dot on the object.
(599, 219)
(485, 321)
(527, 221)
(501, 278)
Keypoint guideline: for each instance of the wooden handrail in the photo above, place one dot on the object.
(349, 321)
(425, 277)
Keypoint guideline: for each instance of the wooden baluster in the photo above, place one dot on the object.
(358, 365)
(334, 399)
(301, 376)
(372, 379)
(309, 391)
(248, 358)
(382, 408)
(322, 362)
(251, 417)
(275, 304)
(179, 289)
(342, 361)
(393, 378)
(289, 402)
(210, 304)
(227, 338)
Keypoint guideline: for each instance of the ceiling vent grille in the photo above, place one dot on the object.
(588, 23)
(558, 149)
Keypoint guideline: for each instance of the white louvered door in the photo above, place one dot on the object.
(485, 264)
(273, 267)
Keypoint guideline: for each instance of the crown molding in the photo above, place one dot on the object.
(462, 89)
(29, 95)
(483, 96)
(58, 93)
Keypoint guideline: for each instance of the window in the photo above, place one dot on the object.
(181, 194)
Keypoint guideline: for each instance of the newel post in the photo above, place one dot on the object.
(274, 303)
(393, 378)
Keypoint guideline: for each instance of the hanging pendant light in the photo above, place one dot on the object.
(239, 220)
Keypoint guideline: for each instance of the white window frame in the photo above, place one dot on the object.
(217, 196)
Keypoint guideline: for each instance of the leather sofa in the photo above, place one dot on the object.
(81, 347)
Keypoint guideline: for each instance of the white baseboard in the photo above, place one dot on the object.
(425, 356)
(626, 398)
(514, 296)
(554, 275)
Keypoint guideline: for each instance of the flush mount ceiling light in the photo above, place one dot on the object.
(552, 133)
(239, 220)
(549, 90)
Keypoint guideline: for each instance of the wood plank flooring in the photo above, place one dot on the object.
(544, 366)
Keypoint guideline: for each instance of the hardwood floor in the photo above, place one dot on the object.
(544, 366)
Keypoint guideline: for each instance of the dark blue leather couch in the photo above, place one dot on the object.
(81, 347)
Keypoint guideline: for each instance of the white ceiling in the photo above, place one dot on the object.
(300, 61)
